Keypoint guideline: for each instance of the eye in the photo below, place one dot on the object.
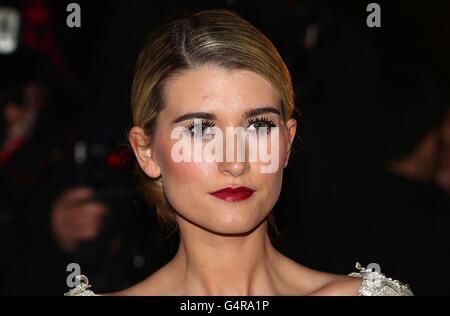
(201, 130)
(257, 124)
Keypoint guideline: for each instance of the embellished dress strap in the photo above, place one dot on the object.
(82, 288)
(377, 284)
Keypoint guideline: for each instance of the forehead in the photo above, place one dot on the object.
(217, 89)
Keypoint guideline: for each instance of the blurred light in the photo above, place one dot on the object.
(311, 37)
(9, 29)
(120, 160)
(80, 153)
(138, 261)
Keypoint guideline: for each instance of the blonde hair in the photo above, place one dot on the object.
(215, 37)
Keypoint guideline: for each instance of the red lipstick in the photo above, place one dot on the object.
(233, 194)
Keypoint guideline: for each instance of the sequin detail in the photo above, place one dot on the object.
(377, 284)
(82, 288)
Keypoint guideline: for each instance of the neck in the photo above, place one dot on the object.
(214, 264)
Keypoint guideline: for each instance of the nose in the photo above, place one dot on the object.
(239, 164)
(234, 169)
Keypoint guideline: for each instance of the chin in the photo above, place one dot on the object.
(234, 224)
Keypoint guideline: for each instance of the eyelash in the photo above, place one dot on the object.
(269, 123)
(205, 124)
(209, 123)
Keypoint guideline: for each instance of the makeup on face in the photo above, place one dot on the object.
(231, 194)
(256, 119)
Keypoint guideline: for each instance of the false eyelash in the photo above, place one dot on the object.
(270, 123)
(209, 123)
(205, 124)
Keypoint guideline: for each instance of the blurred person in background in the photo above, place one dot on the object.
(54, 211)
(49, 215)
(443, 175)
(366, 98)
(407, 218)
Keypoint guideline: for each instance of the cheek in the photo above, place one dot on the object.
(273, 180)
(272, 183)
(278, 155)
(190, 175)
(183, 179)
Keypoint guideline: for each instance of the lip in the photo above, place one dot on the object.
(234, 194)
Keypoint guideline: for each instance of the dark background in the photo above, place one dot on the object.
(365, 96)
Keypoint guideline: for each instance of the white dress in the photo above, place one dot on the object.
(373, 284)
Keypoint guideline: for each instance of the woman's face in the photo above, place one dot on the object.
(225, 100)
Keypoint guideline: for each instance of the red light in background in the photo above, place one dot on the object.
(120, 160)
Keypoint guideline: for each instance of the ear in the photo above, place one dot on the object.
(291, 126)
(143, 151)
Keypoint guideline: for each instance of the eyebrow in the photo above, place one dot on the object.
(209, 116)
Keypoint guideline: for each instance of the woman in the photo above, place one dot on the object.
(202, 76)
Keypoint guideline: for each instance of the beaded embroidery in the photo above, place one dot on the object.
(377, 284)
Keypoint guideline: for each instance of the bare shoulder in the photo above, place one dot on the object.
(306, 281)
(157, 284)
(340, 285)
(363, 283)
